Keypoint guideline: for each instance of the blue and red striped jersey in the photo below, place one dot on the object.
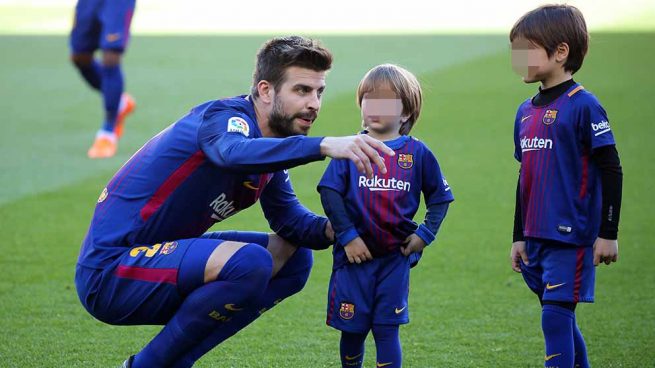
(202, 169)
(560, 189)
(382, 208)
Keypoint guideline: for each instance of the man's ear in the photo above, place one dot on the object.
(266, 91)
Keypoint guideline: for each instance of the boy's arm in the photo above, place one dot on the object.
(434, 216)
(611, 177)
(518, 220)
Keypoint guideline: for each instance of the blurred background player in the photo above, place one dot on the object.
(376, 238)
(568, 196)
(104, 25)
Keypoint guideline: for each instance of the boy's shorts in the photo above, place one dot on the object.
(103, 24)
(559, 272)
(371, 293)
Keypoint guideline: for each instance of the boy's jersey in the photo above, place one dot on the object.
(382, 208)
(560, 189)
(204, 168)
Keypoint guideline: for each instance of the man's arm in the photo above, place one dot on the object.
(290, 219)
(236, 149)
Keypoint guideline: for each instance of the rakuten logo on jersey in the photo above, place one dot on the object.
(378, 184)
(222, 208)
(601, 128)
(535, 144)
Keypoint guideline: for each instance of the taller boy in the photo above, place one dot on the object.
(569, 191)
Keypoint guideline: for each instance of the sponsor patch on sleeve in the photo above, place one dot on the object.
(238, 125)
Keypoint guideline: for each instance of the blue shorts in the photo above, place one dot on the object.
(373, 292)
(147, 283)
(103, 24)
(559, 272)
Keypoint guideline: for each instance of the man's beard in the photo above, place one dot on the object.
(282, 124)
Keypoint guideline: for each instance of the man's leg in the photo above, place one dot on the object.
(294, 265)
(235, 275)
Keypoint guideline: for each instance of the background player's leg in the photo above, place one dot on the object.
(387, 346)
(557, 326)
(89, 68)
(289, 280)
(240, 282)
(112, 87)
(351, 348)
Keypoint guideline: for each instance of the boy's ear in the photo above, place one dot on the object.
(562, 52)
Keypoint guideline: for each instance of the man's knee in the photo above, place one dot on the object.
(297, 269)
(111, 58)
(250, 266)
(82, 60)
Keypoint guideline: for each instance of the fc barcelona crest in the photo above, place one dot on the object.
(347, 310)
(549, 117)
(168, 248)
(405, 160)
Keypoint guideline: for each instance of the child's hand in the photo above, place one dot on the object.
(605, 251)
(357, 252)
(518, 254)
(413, 244)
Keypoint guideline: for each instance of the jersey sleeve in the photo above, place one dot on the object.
(226, 138)
(594, 125)
(336, 176)
(290, 219)
(434, 185)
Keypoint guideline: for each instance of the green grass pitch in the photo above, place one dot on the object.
(468, 309)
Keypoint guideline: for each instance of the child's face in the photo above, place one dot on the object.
(382, 110)
(531, 61)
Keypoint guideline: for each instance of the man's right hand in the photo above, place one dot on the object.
(518, 254)
(361, 149)
(357, 252)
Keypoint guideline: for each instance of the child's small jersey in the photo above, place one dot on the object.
(382, 208)
(560, 189)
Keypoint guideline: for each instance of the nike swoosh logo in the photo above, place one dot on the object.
(354, 357)
(525, 118)
(398, 311)
(383, 364)
(233, 308)
(248, 184)
(549, 357)
(113, 37)
(551, 287)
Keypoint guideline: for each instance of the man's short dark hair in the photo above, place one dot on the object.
(278, 54)
(550, 25)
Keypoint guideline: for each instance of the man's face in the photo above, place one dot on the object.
(531, 61)
(296, 102)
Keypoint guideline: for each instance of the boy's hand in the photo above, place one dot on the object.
(357, 252)
(413, 244)
(518, 254)
(605, 251)
(329, 231)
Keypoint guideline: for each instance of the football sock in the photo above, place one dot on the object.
(241, 281)
(387, 346)
(288, 281)
(351, 348)
(112, 89)
(557, 325)
(581, 360)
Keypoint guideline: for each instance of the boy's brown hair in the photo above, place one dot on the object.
(403, 83)
(550, 25)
